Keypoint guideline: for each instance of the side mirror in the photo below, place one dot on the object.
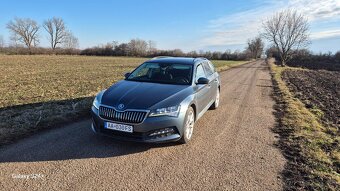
(127, 75)
(202, 81)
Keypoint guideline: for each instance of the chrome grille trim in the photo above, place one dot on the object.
(129, 116)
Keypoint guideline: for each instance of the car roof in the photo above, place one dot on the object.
(175, 60)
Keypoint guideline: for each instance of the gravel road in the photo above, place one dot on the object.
(232, 149)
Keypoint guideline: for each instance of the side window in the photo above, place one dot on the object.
(208, 68)
(200, 72)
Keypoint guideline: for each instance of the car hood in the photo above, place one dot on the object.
(141, 95)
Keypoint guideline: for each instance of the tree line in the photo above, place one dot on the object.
(25, 35)
(142, 48)
(286, 31)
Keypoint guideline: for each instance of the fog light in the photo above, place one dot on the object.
(165, 132)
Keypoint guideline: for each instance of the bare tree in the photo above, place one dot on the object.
(287, 30)
(137, 47)
(151, 46)
(70, 41)
(57, 31)
(2, 42)
(24, 31)
(255, 47)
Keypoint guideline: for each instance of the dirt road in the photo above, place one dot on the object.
(232, 149)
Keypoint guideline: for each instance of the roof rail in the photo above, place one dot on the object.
(200, 58)
(160, 57)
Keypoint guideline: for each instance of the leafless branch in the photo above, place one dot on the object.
(24, 31)
(70, 41)
(56, 29)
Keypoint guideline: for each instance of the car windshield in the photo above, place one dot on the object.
(163, 73)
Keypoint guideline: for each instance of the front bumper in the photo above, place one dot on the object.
(143, 132)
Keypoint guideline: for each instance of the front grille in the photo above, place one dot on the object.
(125, 117)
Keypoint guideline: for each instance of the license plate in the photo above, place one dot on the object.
(118, 127)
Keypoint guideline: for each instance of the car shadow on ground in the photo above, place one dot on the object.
(23, 120)
(65, 134)
(76, 141)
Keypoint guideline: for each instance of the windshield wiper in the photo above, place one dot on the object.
(157, 82)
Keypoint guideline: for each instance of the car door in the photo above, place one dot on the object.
(213, 81)
(202, 90)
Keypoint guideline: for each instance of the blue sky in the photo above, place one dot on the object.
(186, 24)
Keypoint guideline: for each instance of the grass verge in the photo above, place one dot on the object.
(303, 139)
(222, 65)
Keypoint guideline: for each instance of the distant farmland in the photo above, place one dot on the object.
(38, 91)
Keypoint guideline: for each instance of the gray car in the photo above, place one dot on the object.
(159, 101)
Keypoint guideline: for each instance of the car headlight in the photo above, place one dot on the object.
(97, 99)
(96, 103)
(167, 111)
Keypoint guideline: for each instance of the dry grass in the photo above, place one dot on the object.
(303, 138)
(32, 79)
(222, 65)
(38, 92)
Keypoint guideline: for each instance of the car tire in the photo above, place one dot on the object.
(188, 126)
(217, 100)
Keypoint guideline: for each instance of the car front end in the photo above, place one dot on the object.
(140, 125)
